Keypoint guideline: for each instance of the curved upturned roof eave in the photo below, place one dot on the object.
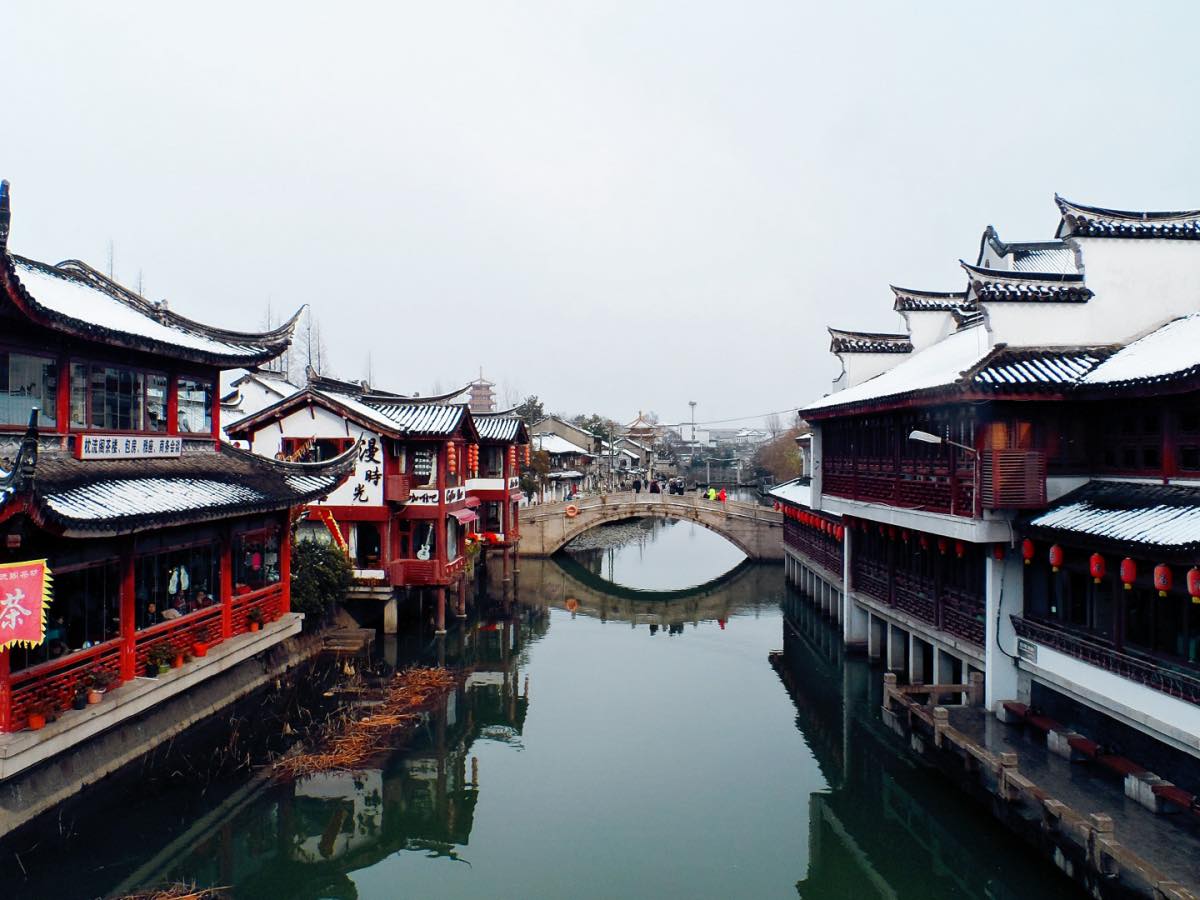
(270, 344)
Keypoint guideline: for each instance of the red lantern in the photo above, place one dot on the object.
(1096, 566)
(1056, 558)
(775, 506)
(942, 546)
(959, 549)
(1193, 583)
(1128, 573)
(891, 532)
(839, 533)
(451, 458)
(1027, 550)
(904, 535)
(924, 542)
(1163, 580)
(526, 455)
(998, 552)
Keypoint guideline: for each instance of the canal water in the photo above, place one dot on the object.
(707, 740)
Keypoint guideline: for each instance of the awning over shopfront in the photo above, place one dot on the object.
(464, 515)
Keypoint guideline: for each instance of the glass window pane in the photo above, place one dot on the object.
(25, 382)
(156, 402)
(79, 386)
(195, 405)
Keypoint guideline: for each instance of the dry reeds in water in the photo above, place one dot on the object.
(411, 693)
(177, 892)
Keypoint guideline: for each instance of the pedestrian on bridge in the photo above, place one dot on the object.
(721, 496)
(654, 488)
(712, 493)
(637, 485)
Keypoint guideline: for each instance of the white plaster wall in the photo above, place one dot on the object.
(318, 422)
(1164, 717)
(860, 367)
(1138, 286)
(926, 327)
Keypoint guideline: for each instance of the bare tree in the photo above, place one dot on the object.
(774, 425)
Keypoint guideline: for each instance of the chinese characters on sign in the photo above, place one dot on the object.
(25, 595)
(114, 446)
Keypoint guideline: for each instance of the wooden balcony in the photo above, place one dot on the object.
(1162, 676)
(908, 483)
(423, 572)
(396, 488)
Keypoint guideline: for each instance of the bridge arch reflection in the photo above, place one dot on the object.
(562, 583)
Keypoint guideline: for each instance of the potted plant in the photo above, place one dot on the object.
(160, 658)
(199, 649)
(39, 713)
(80, 700)
(255, 618)
(98, 681)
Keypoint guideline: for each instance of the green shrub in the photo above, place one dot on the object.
(321, 575)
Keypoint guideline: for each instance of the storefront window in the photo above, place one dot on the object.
(85, 612)
(195, 405)
(173, 583)
(116, 398)
(491, 462)
(25, 382)
(453, 529)
(255, 560)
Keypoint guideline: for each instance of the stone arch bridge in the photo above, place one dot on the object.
(756, 530)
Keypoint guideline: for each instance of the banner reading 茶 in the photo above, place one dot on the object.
(26, 590)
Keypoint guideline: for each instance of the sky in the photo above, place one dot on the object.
(616, 206)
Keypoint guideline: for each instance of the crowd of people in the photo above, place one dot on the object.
(677, 486)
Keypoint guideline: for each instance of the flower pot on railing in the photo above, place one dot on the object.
(177, 661)
(199, 649)
(37, 721)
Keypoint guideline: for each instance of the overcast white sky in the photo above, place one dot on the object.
(616, 206)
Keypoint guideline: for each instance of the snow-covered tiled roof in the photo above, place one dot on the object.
(567, 474)
(124, 496)
(1056, 258)
(939, 365)
(909, 300)
(420, 418)
(1164, 517)
(1166, 354)
(496, 427)
(999, 286)
(1095, 221)
(73, 295)
(1010, 369)
(797, 492)
(841, 341)
(555, 444)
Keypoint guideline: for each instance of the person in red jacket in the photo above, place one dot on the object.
(721, 496)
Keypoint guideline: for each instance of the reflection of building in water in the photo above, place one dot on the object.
(885, 828)
(302, 839)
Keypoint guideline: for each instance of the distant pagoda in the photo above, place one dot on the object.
(482, 395)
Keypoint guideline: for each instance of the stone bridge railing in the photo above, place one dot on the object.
(756, 530)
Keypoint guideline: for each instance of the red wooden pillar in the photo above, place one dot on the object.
(5, 693)
(441, 610)
(173, 404)
(504, 507)
(128, 614)
(285, 566)
(226, 582)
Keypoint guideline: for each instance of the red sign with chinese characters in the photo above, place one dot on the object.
(25, 594)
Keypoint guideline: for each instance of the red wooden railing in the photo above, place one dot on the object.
(1160, 676)
(909, 483)
(54, 684)
(821, 548)
(421, 572)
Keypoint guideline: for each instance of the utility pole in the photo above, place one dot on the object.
(692, 404)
